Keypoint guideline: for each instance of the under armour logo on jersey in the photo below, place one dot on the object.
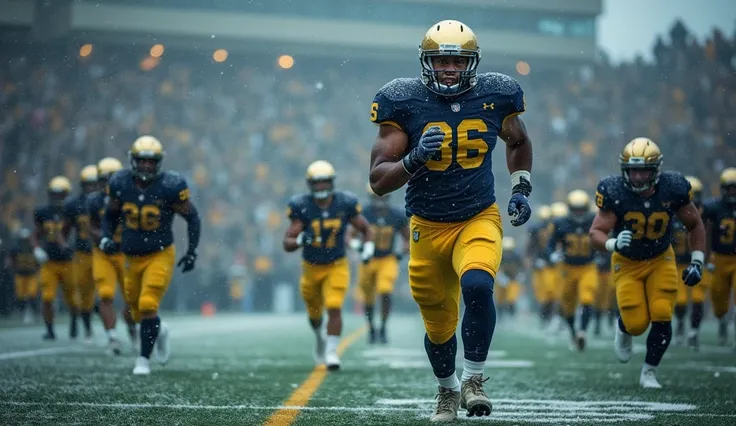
(415, 236)
(491, 106)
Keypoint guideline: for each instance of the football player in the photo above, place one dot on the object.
(381, 271)
(579, 273)
(638, 206)
(685, 294)
(436, 134)
(107, 269)
(559, 211)
(318, 225)
(55, 256)
(75, 212)
(720, 215)
(605, 299)
(509, 279)
(542, 279)
(25, 267)
(145, 199)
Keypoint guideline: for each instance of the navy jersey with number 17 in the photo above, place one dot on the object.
(649, 218)
(327, 225)
(458, 182)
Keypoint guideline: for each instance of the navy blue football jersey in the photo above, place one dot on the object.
(50, 220)
(386, 224)
(328, 225)
(722, 216)
(574, 237)
(23, 261)
(458, 182)
(512, 263)
(539, 234)
(75, 211)
(650, 219)
(680, 242)
(147, 214)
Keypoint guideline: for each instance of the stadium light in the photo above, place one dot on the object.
(157, 50)
(149, 63)
(523, 68)
(220, 55)
(286, 61)
(85, 50)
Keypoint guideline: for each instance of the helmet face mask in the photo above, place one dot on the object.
(728, 185)
(321, 189)
(642, 179)
(145, 167)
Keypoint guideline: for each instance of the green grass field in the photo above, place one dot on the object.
(241, 370)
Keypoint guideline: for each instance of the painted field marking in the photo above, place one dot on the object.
(39, 352)
(401, 358)
(300, 397)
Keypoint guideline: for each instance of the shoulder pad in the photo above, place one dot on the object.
(298, 200)
(118, 178)
(346, 196)
(675, 181)
(172, 179)
(494, 82)
(711, 205)
(400, 89)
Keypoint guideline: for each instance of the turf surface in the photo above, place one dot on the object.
(241, 370)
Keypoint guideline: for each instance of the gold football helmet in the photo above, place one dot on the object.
(641, 154)
(578, 203)
(508, 244)
(449, 38)
(58, 189)
(544, 213)
(321, 179)
(107, 167)
(146, 156)
(696, 188)
(88, 178)
(728, 185)
(558, 210)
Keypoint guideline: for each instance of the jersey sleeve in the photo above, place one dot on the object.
(605, 195)
(508, 96)
(115, 186)
(294, 210)
(681, 189)
(386, 110)
(352, 206)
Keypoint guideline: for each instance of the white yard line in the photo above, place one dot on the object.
(39, 352)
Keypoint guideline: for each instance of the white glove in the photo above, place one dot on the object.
(502, 279)
(355, 244)
(622, 241)
(40, 254)
(539, 263)
(369, 249)
(556, 257)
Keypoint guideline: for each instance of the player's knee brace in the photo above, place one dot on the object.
(477, 288)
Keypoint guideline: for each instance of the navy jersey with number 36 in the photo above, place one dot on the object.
(649, 218)
(147, 214)
(328, 225)
(458, 182)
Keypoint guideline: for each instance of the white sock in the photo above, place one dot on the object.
(472, 368)
(111, 334)
(450, 383)
(332, 342)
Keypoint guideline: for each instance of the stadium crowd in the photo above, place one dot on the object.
(243, 132)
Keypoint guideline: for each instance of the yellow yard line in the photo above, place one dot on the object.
(301, 396)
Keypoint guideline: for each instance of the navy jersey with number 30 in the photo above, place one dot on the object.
(386, 223)
(649, 218)
(147, 214)
(327, 226)
(458, 182)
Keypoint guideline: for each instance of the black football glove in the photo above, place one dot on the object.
(108, 246)
(187, 262)
(693, 273)
(519, 208)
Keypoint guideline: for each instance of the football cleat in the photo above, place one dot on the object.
(648, 379)
(473, 398)
(162, 348)
(448, 402)
(622, 345)
(332, 361)
(142, 368)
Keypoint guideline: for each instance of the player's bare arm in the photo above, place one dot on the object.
(690, 217)
(360, 223)
(602, 226)
(518, 145)
(291, 238)
(387, 171)
(187, 210)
